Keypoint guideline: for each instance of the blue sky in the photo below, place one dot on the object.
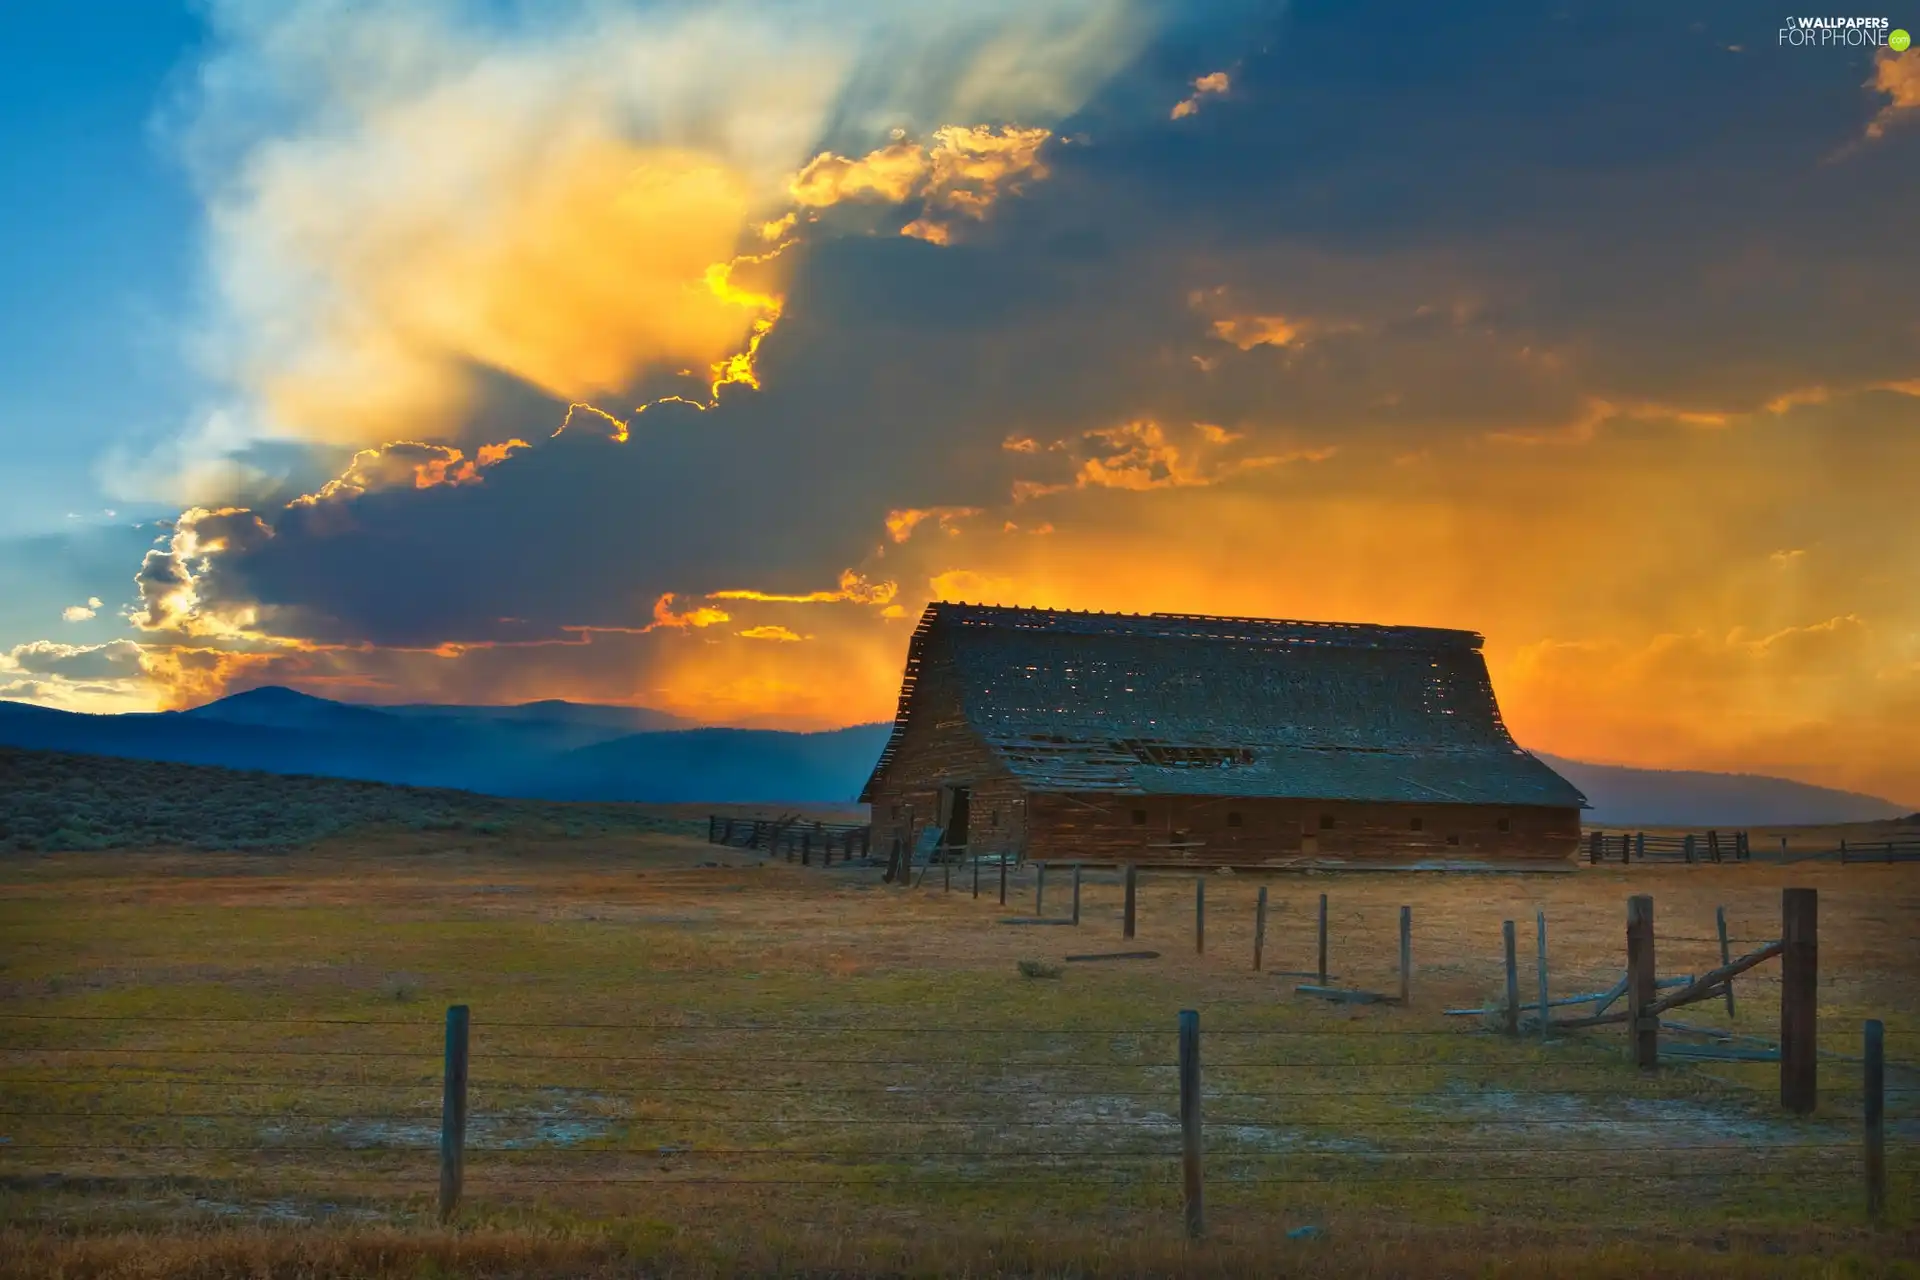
(100, 226)
(1587, 326)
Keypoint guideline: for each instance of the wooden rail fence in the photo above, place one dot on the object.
(800, 841)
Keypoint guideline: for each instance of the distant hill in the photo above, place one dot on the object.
(1622, 796)
(571, 751)
(540, 750)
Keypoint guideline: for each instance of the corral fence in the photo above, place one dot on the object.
(800, 840)
(1173, 1115)
(1628, 847)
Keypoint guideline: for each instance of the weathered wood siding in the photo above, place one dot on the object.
(938, 750)
(1219, 831)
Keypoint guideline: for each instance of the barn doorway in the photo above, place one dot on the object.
(959, 803)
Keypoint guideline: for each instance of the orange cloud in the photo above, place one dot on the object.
(664, 615)
(960, 174)
(1140, 455)
(902, 523)
(1213, 83)
(769, 632)
(1896, 75)
(854, 588)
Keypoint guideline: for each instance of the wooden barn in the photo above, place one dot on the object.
(1202, 741)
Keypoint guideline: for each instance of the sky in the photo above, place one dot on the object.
(678, 354)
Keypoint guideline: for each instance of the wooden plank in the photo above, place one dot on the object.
(1510, 1012)
(1127, 915)
(1726, 955)
(1191, 1178)
(1200, 915)
(1799, 999)
(1259, 928)
(453, 1113)
(1116, 955)
(1708, 984)
(1540, 970)
(1641, 1019)
(1322, 949)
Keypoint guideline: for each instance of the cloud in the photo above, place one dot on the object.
(116, 658)
(770, 631)
(664, 615)
(1214, 82)
(81, 612)
(1896, 76)
(902, 523)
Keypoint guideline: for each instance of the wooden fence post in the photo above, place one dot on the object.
(1874, 1089)
(1190, 1148)
(453, 1113)
(1003, 877)
(1406, 954)
(1322, 948)
(1593, 849)
(806, 848)
(1076, 893)
(1687, 847)
(1126, 928)
(1540, 969)
(1259, 928)
(1200, 915)
(1642, 1027)
(1799, 999)
(946, 875)
(1713, 846)
(1726, 951)
(1640, 845)
(1626, 848)
(713, 827)
(1039, 888)
(976, 875)
(1511, 1013)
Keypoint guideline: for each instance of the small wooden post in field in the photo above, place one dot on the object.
(1593, 849)
(1726, 951)
(1511, 1012)
(1259, 928)
(1127, 916)
(1003, 878)
(1799, 999)
(1190, 1148)
(976, 875)
(1322, 947)
(713, 828)
(1713, 846)
(946, 875)
(1039, 888)
(1687, 846)
(806, 848)
(1874, 1090)
(453, 1113)
(1640, 845)
(1626, 848)
(1200, 915)
(1642, 1027)
(1076, 893)
(1406, 954)
(1540, 968)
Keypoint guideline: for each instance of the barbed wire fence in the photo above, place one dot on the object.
(1164, 1117)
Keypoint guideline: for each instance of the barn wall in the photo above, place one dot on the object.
(1196, 831)
(940, 747)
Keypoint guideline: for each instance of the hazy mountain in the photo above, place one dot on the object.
(1622, 796)
(542, 750)
(570, 751)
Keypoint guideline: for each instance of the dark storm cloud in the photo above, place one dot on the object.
(1480, 220)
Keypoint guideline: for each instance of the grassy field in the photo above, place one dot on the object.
(687, 1060)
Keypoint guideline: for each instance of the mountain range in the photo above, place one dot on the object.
(557, 750)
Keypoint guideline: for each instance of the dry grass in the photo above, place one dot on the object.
(920, 1107)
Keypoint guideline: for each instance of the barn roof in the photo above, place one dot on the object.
(1162, 703)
